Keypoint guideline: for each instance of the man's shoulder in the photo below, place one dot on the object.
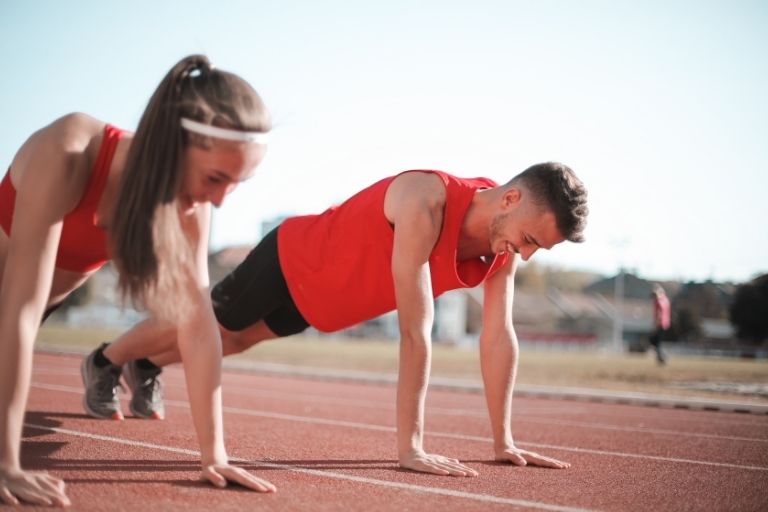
(426, 186)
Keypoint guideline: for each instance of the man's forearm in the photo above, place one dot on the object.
(415, 352)
(498, 362)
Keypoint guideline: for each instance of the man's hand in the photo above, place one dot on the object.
(35, 487)
(220, 474)
(520, 457)
(435, 464)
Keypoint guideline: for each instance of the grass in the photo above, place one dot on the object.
(629, 372)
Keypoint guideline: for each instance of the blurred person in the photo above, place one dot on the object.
(80, 192)
(661, 321)
(396, 245)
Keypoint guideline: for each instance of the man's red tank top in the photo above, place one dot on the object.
(338, 264)
(83, 245)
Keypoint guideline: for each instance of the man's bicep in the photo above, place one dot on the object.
(414, 237)
(416, 230)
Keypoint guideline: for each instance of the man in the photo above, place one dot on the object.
(661, 321)
(395, 245)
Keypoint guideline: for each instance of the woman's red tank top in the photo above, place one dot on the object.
(83, 245)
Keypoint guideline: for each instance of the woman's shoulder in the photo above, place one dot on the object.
(73, 132)
(59, 156)
(68, 135)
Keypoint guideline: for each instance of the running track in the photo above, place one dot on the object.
(330, 446)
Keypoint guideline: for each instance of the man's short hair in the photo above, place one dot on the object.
(555, 187)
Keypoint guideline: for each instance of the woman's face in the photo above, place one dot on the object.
(209, 174)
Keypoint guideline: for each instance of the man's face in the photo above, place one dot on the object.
(522, 227)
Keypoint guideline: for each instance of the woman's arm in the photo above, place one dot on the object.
(200, 347)
(46, 190)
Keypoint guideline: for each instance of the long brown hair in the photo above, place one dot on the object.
(149, 248)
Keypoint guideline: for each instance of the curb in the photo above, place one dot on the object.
(471, 386)
(521, 390)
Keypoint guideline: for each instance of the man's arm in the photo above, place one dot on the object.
(498, 361)
(414, 204)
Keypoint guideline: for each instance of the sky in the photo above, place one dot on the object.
(660, 107)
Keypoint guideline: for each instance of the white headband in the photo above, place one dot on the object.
(223, 133)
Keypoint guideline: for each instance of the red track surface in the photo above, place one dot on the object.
(331, 446)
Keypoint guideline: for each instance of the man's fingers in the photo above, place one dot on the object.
(435, 469)
(459, 469)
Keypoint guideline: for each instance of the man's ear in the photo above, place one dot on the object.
(510, 197)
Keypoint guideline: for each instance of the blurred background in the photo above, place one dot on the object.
(659, 107)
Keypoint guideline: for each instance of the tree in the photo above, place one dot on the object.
(749, 310)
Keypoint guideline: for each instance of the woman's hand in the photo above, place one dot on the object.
(35, 487)
(220, 474)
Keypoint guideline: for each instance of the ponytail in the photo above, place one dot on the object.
(149, 248)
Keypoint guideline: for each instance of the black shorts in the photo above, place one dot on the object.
(256, 290)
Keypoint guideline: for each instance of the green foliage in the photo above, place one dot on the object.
(749, 311)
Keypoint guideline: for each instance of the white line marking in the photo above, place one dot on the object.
(642, 430)
(323, 474)
(519, 417)
(449, 435)
(560, 409)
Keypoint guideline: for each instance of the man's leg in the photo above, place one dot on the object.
(660, 357)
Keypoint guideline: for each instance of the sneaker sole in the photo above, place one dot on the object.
(154, 415)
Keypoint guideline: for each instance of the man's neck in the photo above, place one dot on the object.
(474, 236)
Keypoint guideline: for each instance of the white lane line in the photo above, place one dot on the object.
(517, 418)
(448, 435)
(479, 413)
(641, 430)
(520, 407)
(520, 416)
(487, 498)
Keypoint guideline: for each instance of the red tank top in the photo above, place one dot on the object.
(83, 245)
(338, 265)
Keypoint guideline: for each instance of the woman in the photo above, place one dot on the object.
(80, 192)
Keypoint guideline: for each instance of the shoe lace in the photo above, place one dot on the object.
(107, 385)
(150, 385)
